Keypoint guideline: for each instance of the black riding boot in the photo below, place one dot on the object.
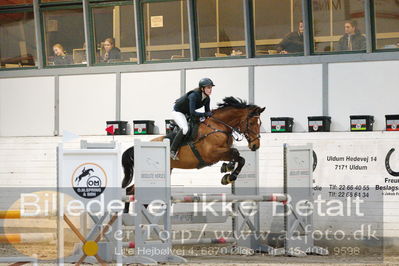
(176, 144)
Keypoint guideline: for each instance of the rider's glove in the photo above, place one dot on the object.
(208, 114)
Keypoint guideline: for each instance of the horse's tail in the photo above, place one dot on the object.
(128, 166)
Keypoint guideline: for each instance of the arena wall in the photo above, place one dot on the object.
(46, 106)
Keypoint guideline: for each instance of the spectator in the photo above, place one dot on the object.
(111, 52)
(352, 39)
(60, 58)
(293, 41)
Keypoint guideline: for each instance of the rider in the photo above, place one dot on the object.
(185, 107)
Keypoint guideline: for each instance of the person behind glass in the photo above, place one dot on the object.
(185, 107)
(110, 51)
(60, 58)
(293, 41)
(352, 39)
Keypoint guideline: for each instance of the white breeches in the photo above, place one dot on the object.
(181, 121)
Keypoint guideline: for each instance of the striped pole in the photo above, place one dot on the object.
(27, 238)
(228, 198)
(24, 214)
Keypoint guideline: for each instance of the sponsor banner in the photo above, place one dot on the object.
(356, 167)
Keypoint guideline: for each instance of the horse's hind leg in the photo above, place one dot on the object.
(234, 156)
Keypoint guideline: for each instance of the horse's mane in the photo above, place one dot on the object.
(235, 103)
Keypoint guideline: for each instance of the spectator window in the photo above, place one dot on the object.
(387, 24)
(114, 33)
(278, 27)
(15, 2)
(338, 25)
(221, 28)
(166, 30)
(59, 1)
(17, 39)
(65, 28)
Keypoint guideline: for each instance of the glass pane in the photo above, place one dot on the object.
(59, 1)
(15, 2)
(114, 33)
(387, 24)
(64, 37)
(166, 30)
(278, 26)
(338, 25)
(221, 28)
(17, 40)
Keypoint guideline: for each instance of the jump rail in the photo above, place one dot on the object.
(17, 214)
(27, 238)
(24, 238)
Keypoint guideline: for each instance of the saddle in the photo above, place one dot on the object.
(193, 126)
(191, 135)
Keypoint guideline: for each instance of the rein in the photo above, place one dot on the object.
(233, 130)
(215, 130)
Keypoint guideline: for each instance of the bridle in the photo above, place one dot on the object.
(248, 131)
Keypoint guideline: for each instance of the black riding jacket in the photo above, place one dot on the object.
(191, 101)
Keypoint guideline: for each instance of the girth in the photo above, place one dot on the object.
(201, 162)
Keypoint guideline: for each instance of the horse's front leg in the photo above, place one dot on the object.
(233, 156)
(129, 192)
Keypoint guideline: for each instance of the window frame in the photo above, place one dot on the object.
(142, 33)
(373, 22)
(194, 43)
(63, 6)
(312, 38)
(100, 3)
(246, 25)
(20, 9)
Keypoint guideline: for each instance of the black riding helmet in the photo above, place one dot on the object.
(205, 82)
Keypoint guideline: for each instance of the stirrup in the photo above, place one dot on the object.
(173, 155)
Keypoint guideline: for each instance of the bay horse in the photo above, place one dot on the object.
(233, 118)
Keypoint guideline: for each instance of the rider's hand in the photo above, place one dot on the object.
(208, 114)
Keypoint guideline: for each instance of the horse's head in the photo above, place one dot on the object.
(251, 127)
(242, 116)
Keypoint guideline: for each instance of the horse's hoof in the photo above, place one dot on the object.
(227, 179)
(223, 168)
(232, 178)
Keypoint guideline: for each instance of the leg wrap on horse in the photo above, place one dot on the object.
(228, 179)
(227, 167)
(236, 158)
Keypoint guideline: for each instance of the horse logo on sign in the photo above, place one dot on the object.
(89, 180)
(85, 172)
(388, 165)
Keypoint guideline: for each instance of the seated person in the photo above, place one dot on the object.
(292, 42)
(60, 58)
(111, 52)
(352, 39)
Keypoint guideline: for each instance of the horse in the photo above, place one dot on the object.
(233, 119)
(83, 174)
